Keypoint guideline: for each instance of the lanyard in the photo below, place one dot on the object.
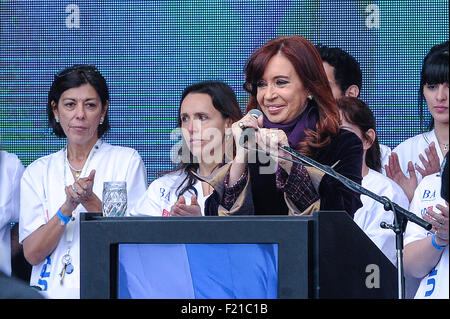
(71, 225)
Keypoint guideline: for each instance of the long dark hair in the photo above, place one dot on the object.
(224, 100)
(356, 112)
(307, 62)
(434, 71)
(73, 77)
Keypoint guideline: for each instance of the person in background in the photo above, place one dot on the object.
(207, 110)
(425, 253)
(358, 118)
(404, 164)
(287, 82)
(56, 188)
(343, 71)
(345, 77)
(11, 170)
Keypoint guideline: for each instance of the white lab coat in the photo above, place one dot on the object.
(43, 193)
(435, 285)
(385, 152)
(162, 194)
(410, 149)
(11, 170)
(372, 213)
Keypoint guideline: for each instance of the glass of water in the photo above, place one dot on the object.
(114, 200)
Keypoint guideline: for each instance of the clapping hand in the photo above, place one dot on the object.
(394, 172)
(439, 221)
(181, 209)
(81, 192)
(431, 164)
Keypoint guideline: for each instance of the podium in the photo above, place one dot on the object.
(325, 255)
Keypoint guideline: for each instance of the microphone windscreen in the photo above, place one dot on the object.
(255, 113)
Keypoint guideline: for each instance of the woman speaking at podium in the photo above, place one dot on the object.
(286, 81)
(57, 187)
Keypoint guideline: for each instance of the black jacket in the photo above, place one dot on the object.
(346, 148)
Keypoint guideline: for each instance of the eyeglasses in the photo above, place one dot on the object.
(85, 68)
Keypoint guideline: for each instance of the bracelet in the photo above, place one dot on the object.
(64, 219)
(435, 245)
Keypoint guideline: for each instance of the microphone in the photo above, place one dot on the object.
(388, 205)
(328, 170)
(401, 215)
(255, 113)
(247, 131)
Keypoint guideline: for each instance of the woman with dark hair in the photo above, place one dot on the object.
(403, 165)
(207, 110)
(56, 188)
(287, 82)
(358, 118)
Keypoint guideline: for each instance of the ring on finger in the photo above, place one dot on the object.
(241, 125)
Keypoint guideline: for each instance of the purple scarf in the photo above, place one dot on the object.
(295, 130)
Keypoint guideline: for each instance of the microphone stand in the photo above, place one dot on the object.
(401, 215)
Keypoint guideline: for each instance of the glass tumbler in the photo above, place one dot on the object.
(114, 202)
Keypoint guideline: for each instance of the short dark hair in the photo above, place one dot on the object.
(347, 70)
(72, 77)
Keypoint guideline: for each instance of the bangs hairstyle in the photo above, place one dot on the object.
(73, 77)
(434, 71)
(308, 64)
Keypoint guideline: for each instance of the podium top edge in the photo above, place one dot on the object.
(99, 217)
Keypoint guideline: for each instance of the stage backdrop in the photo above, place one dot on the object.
(150, 50)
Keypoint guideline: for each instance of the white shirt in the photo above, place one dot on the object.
(410, 149)
(385, 151)
(162, 194)
(372, 213)
(435, 285)
(43, 193)
(11, 170)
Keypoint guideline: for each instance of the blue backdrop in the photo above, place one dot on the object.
(150, 50)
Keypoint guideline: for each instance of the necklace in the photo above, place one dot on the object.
(78, 172)
(445, 147)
